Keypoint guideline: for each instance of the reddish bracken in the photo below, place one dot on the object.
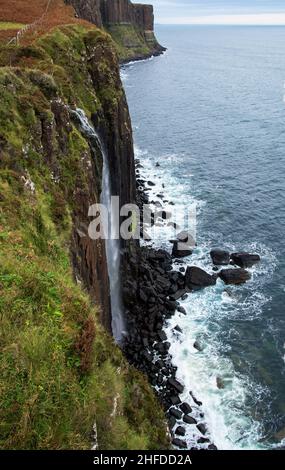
(27, 12)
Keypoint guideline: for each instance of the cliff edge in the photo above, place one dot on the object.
(131, 25)
(61, 373)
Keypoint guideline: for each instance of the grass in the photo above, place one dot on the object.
(4, 25)
(129, 41)
(60, 371)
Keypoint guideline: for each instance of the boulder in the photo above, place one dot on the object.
(212, 447)
(189, 420)
(202, 428)
(176, 385)
(179, 443)
(181, 310)
(178, 294)
(185, 408)
(197, 345)
(220, 383)
(245, 260)
(175, 400)
(180, 431)
(203, 440)
(184, 245)
(178, 329)
(234, 276)
(176, 413)
(196, 278)
(220, 257)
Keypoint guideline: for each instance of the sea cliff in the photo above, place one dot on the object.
(62, 374)
(131, 25)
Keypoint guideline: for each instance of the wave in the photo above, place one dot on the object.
(213, 374)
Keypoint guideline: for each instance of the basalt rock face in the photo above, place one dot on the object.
(50, 175)
(130, 24)
(89, 10)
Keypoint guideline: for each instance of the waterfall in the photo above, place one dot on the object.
(112, 245)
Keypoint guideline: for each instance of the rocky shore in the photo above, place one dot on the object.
(152, 290)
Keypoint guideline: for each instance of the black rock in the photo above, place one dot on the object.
(234, 276)
(202, 428)
(180, 250)
(181, 310)
(212, 447)
(220, 257)
(198, 403)
(175, 400)
(198, 346)
(180, 431)
(178, 329)
(196, 278)
(185, 408)
(178, 294)
(162, 336)
(203, 440)
(150, 183)
(179, 443)
(171, 422)
(189, 420)
(176, 413)
(245, 260)
(176, 385)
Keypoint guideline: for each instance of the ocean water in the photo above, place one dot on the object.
(211, 111)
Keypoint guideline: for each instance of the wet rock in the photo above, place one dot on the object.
(151, 183)
(181, 310)
(178, 329)
(234, 276)
(176, 413)
(202, 428)
(197, 345)
(197, 278)
(220, 257)
(180, 250)
(176, 385)
(197, 402)
(245, 260)
(180, 431)
(212, 447)
(189, 420)
(171, 422)
(178, 294)
(184, 245)
(179, 443)
(220, 383)
(186, 408)
(162, 336)
(203, 440)
(175, 400)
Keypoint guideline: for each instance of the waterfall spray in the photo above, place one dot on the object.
(112, 245)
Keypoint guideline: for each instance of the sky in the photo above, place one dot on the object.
(260, 12)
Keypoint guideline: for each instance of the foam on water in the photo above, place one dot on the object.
(228, 410)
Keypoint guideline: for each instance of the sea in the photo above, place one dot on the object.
(209, 130)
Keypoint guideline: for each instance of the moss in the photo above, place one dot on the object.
(60, 372)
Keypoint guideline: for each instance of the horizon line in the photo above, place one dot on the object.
(260, 19)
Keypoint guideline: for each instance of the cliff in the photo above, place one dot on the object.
(60, 370)
(130, 24)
